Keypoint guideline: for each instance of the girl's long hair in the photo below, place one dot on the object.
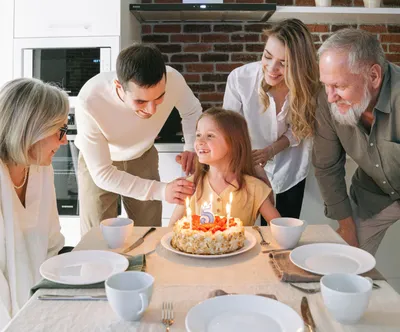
(233, 127)
(301, 75)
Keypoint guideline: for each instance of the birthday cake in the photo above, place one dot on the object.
(214, 238)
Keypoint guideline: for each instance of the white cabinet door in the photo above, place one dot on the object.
(169, 170)
(66, 18)
(6, 40)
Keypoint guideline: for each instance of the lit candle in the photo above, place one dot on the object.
(189, 216)
(228, 214)
(211, 202)
(230, 198)
(187, 203)
(188, 212)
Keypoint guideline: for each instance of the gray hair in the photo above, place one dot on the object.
(30, 110)
(363, 48)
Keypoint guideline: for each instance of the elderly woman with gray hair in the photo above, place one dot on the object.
(33, 124)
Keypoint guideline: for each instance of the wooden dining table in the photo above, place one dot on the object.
(187, 281)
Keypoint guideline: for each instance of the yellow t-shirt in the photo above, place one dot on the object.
(245, 203)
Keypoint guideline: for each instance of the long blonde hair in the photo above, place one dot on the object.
(233, 127)
(30, 110)
(301, 75)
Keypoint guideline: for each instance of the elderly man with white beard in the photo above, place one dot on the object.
(363, 91)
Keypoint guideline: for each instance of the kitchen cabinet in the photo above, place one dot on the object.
(60, 18)
(6, 40)
(75, 18)
(169, 170)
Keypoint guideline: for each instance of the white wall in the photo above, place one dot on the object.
(6, 40)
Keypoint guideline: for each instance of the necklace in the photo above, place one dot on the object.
(23, 183)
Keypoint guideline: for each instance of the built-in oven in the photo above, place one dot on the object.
(67, 62)
(65, 165)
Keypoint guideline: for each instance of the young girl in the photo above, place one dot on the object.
(225, 166)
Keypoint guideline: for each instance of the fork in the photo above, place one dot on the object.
(167, 314)
(318, 289)
(263, 242)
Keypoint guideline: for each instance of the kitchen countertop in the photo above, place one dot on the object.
(169, 147)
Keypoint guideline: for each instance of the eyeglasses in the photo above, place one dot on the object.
(63, 131)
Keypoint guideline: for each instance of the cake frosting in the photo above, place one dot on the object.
(208, 239)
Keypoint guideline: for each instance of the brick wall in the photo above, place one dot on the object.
(205, 53)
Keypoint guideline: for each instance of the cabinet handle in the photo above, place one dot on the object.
(85, 26)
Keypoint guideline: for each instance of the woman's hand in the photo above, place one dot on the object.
(261, 156)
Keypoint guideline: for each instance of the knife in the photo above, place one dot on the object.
(47, 297)
(139, 241)
(306, 314)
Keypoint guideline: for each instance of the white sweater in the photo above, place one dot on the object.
(109, 131)
(291, 165)
(28, 236)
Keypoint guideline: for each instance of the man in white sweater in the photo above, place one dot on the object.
(118, 117)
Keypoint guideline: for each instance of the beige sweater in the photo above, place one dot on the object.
(109, 131)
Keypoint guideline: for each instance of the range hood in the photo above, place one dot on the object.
(220, 12)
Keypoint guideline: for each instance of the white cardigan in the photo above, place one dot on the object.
(28, 236)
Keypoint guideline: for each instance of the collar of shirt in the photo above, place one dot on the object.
(283, 112)
(383, 103)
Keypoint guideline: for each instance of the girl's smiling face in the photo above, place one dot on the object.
(210, 144)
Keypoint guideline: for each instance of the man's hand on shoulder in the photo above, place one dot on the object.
(347, 230)
(178, 190)
(187, 159)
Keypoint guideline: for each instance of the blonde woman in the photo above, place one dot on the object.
(33, 124)
(278, 97)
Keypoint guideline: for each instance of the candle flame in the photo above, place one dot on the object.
(228, 209)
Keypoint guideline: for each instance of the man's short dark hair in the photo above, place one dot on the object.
(142, 64)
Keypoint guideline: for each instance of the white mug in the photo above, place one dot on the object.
(372, 3)
(116, 231)
(129, 293)
(346, 296)
(287, 231)
(323, 3)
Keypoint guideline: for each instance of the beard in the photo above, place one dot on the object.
(352, 116)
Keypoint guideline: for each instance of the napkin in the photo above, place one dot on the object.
(136, 263)
(220, 292)
(286, 271)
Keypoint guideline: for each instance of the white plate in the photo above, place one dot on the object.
(238, 313)
(249, 243)
(83, 267)
(326, 258)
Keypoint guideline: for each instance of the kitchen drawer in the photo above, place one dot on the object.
(62, 18)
